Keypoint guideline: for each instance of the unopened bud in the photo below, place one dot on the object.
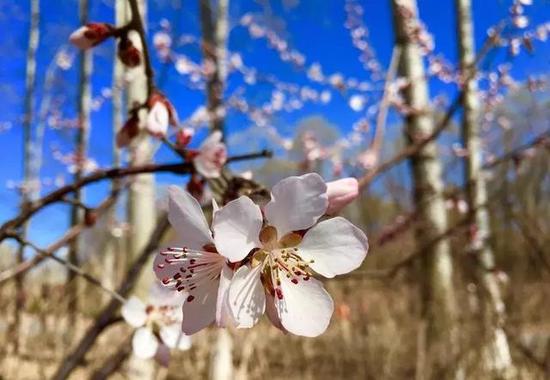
(128, 132)
(341, 193)
(184, 136)
(91, 34)
(128, 53)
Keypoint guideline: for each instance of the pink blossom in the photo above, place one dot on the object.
(162, 314)
(193, 266)
(184, 136)
(341, 193)
(280, 279)
(158, 120)
(212, 156)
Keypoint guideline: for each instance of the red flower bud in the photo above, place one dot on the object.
(128, 132)
(128, 53)
(183, 137)
(91, 34)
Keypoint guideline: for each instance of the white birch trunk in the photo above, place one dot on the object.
(81, 151)
(497, 356)
(439, 303)
(221, 357)
(214, 26)
(113, 260)
(28, 183)
(141, 194)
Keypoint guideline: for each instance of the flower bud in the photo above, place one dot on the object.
(91, 34)
(212, 156)
(128, 53)
(184, 136)
(340, 193)
(158, 97)
(157, 120)
(128, 132)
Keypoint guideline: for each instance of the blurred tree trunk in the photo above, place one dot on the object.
(497, 358)
(81, 153)
(439, 306)
(29, 183)
(113, 260)
(141, 211)
(214, 27)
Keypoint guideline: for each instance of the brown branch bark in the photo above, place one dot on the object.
(70, 362)
(71, 234)
(57, 195)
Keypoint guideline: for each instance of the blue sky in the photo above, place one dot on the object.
(313, 27)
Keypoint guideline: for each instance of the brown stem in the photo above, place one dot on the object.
(413, 149)
(70, 362)
(57, 195)
(71, 234)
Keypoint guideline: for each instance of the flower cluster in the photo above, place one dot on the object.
(158, 325)
(254, 260)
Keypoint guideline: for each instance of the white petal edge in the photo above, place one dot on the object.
(173, 337)
(336, 247)
(224, 318)
(158, 119)
(296, 203)
(201, 311)
(246, 296)
(133, 312)
(237, 228)
(306, 307)
(144, 343)
(186, 217)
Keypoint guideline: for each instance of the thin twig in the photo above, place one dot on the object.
(70, 362)
(57, 195)
(54, 247)
(384, 105)
(73, 268)
(413, 149)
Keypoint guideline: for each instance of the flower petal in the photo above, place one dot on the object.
(173, 337)
(296, 203)
(305, 308)
(160, 295)
(186, 216)
(158, 119)
(246, 296)
(236, 228)
(224, 318)
(144, 343)
(271, 311)
(336, 247)
(212, 156)
(199, 309)
(341, 193)
(133, 312)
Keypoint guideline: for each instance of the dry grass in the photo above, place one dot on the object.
(373, 335)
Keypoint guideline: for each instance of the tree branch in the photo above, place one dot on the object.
(72, 233)
(59, 194)
(70, 362)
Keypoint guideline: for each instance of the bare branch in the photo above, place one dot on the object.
(70, 362)
(57, 195)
